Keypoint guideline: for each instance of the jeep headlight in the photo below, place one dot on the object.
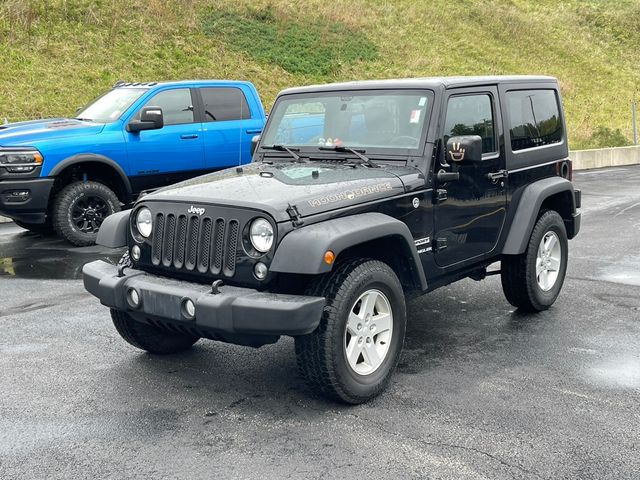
(21, 160)
(261, 235)
(144, 222)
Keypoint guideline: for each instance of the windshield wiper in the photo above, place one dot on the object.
(282, 148)
(358, 153)
(82, 119)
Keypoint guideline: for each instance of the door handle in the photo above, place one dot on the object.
(189, 136)
(495, 176)
(253, 131)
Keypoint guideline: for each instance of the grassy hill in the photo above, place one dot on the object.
(55, 55)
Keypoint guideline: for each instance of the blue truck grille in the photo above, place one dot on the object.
(195, 244)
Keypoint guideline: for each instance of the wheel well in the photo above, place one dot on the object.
(393, 251)
(94, 171)
(561, 202)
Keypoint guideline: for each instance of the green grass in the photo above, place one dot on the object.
(58, 54)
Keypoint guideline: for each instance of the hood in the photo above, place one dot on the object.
(34, 131)
(311, 187)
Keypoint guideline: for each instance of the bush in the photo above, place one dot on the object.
(604, 137)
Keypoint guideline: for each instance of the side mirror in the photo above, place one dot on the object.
(465, 148)
(151, 118)
(254, 143)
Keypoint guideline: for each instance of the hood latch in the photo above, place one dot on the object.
(294, 214)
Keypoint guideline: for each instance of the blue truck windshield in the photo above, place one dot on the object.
(369, 120)
(110, 106)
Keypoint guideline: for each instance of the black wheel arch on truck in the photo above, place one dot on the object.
(371, 235)
(554, 193)
(97, 167)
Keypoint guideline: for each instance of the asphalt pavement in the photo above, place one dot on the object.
(482, 391)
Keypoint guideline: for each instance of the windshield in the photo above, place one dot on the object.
(367, 120)
(108, 107)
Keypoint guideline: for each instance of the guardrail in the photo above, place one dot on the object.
(583, 159)
(605, 157)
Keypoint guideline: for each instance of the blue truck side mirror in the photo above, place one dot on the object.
(151, 118)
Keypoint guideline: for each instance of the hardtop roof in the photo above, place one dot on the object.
(421, 83)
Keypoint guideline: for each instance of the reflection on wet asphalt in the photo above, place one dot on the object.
(25, 254)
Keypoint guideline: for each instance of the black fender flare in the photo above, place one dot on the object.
(526, 213)
(302, 250)
(113, 231)
(95, 158)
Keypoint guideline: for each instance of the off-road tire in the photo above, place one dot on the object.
(321, 356)
(41, 228)
(518, 272)
(147, 337)
(65, 201)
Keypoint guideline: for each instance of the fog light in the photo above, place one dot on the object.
(133, 297)
(189, 308)
(260, 271)
(135, 252)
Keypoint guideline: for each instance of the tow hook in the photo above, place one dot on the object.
(215, 287)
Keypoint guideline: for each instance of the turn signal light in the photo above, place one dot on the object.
(329, 257)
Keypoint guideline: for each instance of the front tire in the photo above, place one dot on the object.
(532, 281)
(150, 338)
(145, 336)
(352, 354)
(79, 210)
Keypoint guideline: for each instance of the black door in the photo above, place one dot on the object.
(470, 212)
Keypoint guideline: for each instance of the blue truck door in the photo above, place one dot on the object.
(160, 157)
(227, 126)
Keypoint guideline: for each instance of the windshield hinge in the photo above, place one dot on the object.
(294, 214)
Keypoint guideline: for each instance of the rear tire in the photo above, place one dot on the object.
(79, 210)
(532, 281)
(352, 354)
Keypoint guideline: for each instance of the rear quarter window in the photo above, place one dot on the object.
(534, 118)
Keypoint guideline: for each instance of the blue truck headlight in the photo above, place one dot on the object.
(261, 235)
(20, 160)
(144, 222)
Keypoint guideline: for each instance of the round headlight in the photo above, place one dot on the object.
(261, 235)
(144, 222)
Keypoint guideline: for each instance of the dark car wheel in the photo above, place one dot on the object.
(79, 210)
(532, 281)
(352, 354)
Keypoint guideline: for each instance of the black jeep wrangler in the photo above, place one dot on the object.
(360, 195)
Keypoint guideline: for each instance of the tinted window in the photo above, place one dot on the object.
(471, 115)
(176, 106)
(534, 118)
(224, 104)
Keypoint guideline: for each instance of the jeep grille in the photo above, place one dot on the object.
(193, 243)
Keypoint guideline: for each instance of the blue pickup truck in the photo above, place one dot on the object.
(68, 174)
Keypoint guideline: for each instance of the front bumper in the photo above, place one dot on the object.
(32, 203)
(233, 310)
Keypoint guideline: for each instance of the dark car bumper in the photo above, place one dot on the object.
(26, 199)
(233, 310)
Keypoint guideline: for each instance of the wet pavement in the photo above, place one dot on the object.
(481, 391)
(24, 254)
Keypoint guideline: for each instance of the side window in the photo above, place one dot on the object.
(177, 107)
(534, 118)
(222, 103)
(471, 115)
